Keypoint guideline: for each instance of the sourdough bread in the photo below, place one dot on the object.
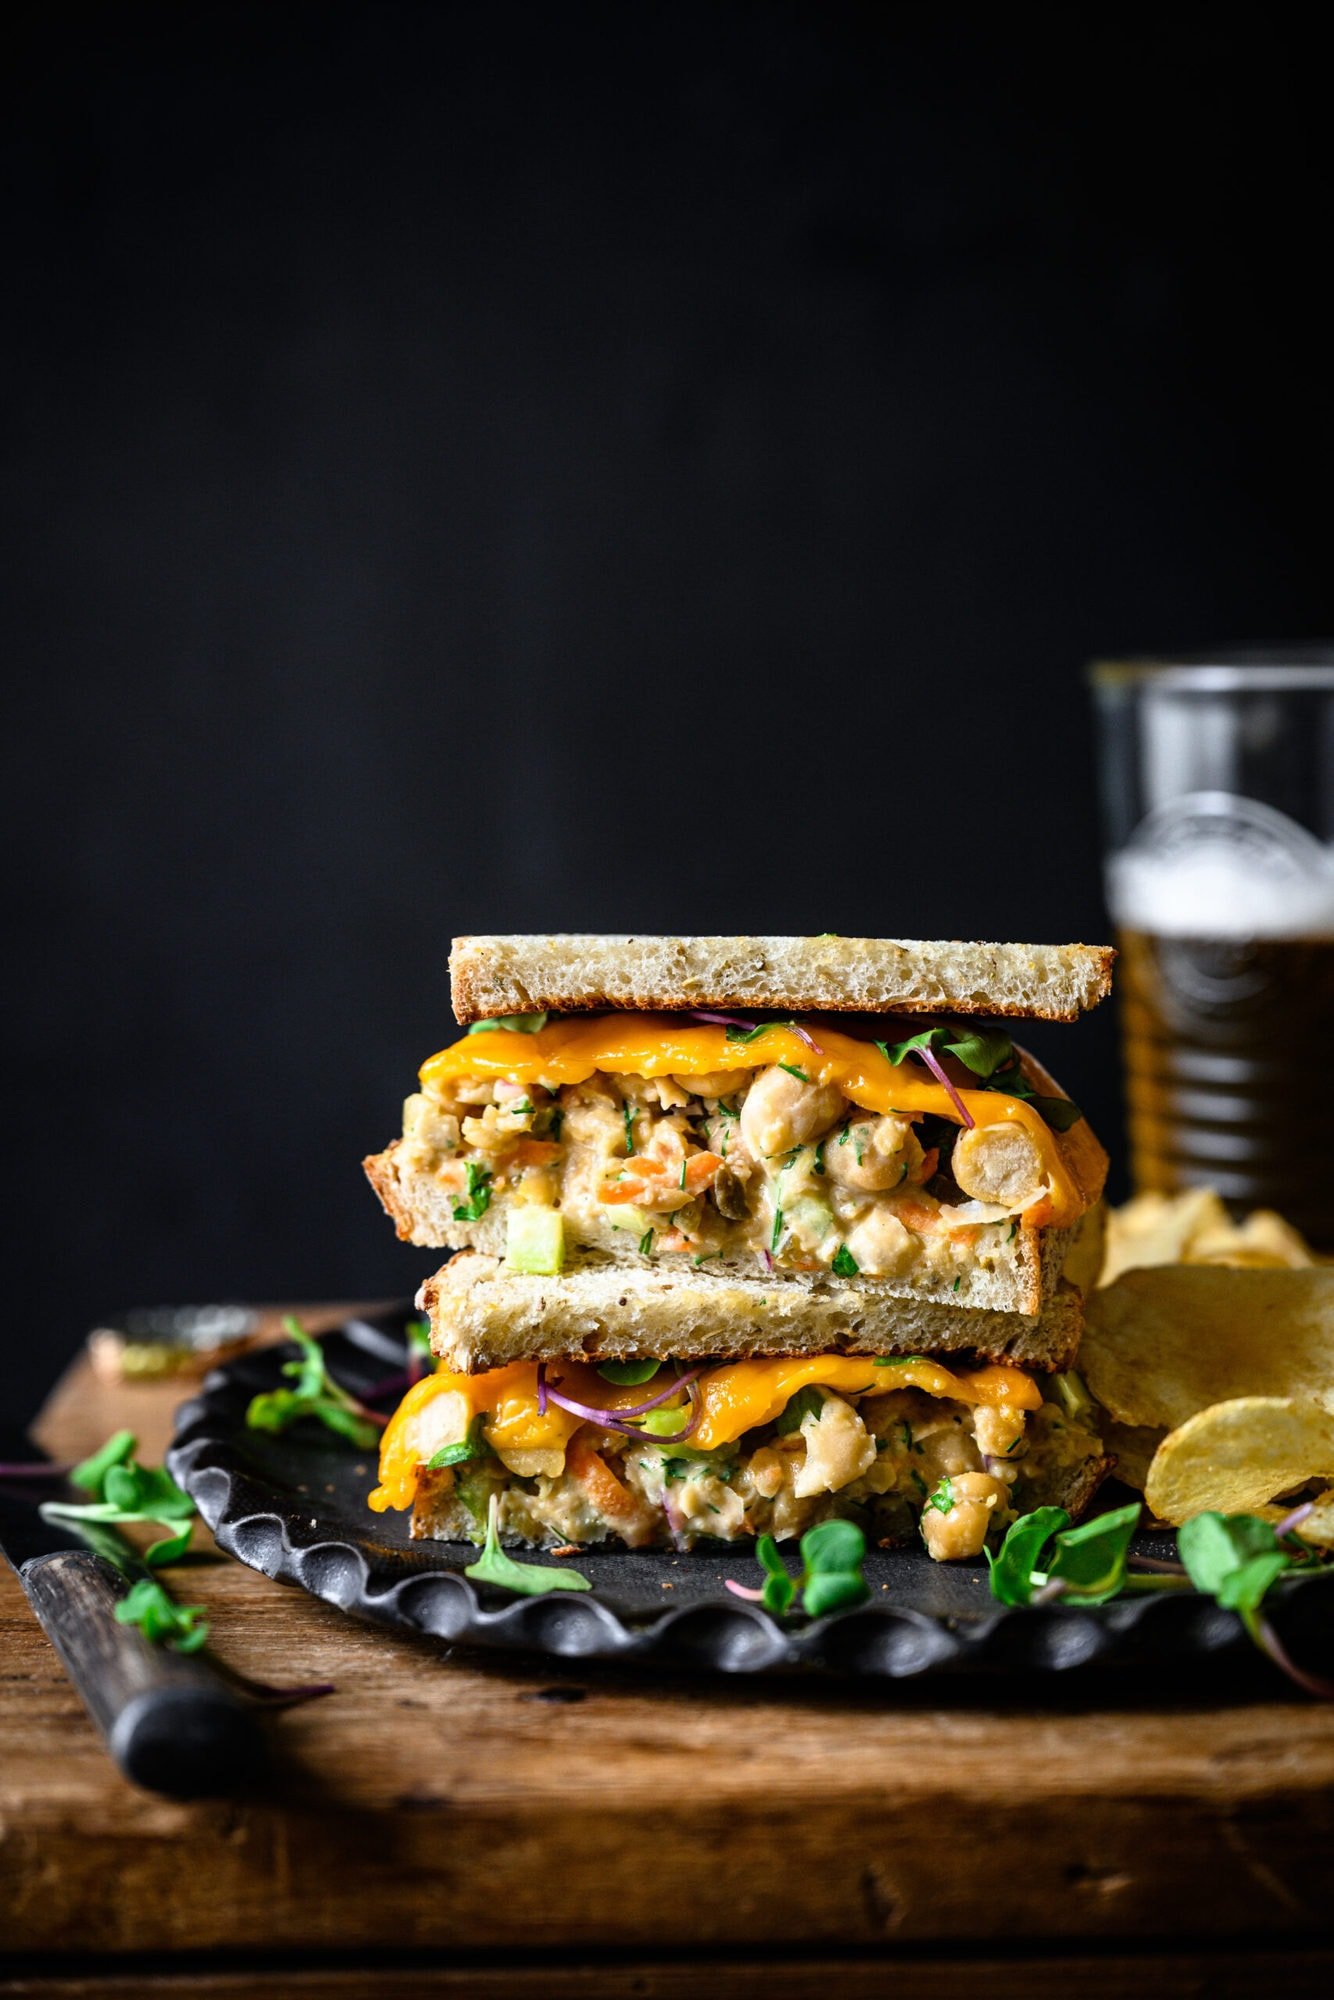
(587, 972)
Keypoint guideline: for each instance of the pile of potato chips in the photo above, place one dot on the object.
(1210, 1345)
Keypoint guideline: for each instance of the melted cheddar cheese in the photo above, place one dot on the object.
(648, 1045)
(736, 1397)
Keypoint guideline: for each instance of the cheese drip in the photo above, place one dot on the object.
(570, 1051)
(737, 1397)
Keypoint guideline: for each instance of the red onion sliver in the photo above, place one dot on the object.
(722, 1020)
(607, 1420)
(1293, 1520)
(742, 1590)
(541, 1388)
(807, 1037)
(932, 1062)
(544, 1391)
(768, 1260)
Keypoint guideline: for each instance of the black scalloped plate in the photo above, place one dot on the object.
(295, 1508)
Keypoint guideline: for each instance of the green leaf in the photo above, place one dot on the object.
(807, 1402)
(276, 1410)
(1214, 1546)
(525, 1579)
(833, 1590)
(90, 1473)
(517, 1024)
(833, 1545)
(628, 1120)
(479, 1194)
(147, 1491)
(162, 1620)
(735, 1034)
(418, 1333)
(898, 1052)
(792, 1070)
(629, 1374)
(981, 1052)
(780, 1588)
(1020, 1553)
(1058, 1112)
(942, 1497)
(171, 1549)
(1243, 1589)
(1092, 1557)
(474, 1445)
(845, 1265)
(778, 1229)
(646, 1243)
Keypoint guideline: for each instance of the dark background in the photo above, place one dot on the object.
(634, 466)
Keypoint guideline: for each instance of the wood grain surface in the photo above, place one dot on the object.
(518, 1819)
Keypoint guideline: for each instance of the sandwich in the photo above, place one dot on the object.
(746, 1234)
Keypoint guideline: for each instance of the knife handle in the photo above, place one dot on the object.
(169, 1721)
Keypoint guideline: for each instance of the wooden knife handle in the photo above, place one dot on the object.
(169, 1720)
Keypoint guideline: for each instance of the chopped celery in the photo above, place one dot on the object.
(535, 1242)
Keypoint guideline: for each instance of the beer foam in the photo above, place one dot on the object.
(1219, 893)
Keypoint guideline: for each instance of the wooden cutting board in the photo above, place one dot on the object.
(456, 1824)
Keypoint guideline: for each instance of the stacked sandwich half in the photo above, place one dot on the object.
(750, 1233)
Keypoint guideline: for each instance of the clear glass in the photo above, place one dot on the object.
(1218, 794)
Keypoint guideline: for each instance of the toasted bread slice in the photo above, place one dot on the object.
(483, 1316)
(587, 972)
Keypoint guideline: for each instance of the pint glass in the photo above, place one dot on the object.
(1218, 791)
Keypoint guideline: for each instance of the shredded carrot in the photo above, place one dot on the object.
(598, 1480)
(535, 1152)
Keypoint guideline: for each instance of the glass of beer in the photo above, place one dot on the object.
(1218, 792)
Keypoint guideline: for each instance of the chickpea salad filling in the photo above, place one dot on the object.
(656, 1454)
(769, 1146)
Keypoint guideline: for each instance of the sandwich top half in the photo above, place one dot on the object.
(750, 1233)
(937, 1163)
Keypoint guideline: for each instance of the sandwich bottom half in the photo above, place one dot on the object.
(948, 1450)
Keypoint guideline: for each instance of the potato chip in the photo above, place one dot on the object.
(1236, 1456)
(1195, 1228)
(1318, 1527)
(1161, 1344)
(1159, 1229)
(1134, 1446)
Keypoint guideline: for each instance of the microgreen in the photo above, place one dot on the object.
(525, 1579)
(831, 1573)
(896, 1360)
(1234, 1558)
(91, 1472)
(845, 1265)
(735, 1034)
(162, 1620)
(792, 1070)
(316, 1395)
(993, 1060)
(942, 1499)
(474, 1445)
(517, 1024)
(646, 1243)
(129, 1493)
(479, 1194)
(628, 1374)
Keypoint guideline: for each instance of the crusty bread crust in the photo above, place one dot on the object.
(1015, 1276)
(588, 972)
(484, 1317)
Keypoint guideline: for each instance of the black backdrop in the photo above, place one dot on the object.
(628, 466)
